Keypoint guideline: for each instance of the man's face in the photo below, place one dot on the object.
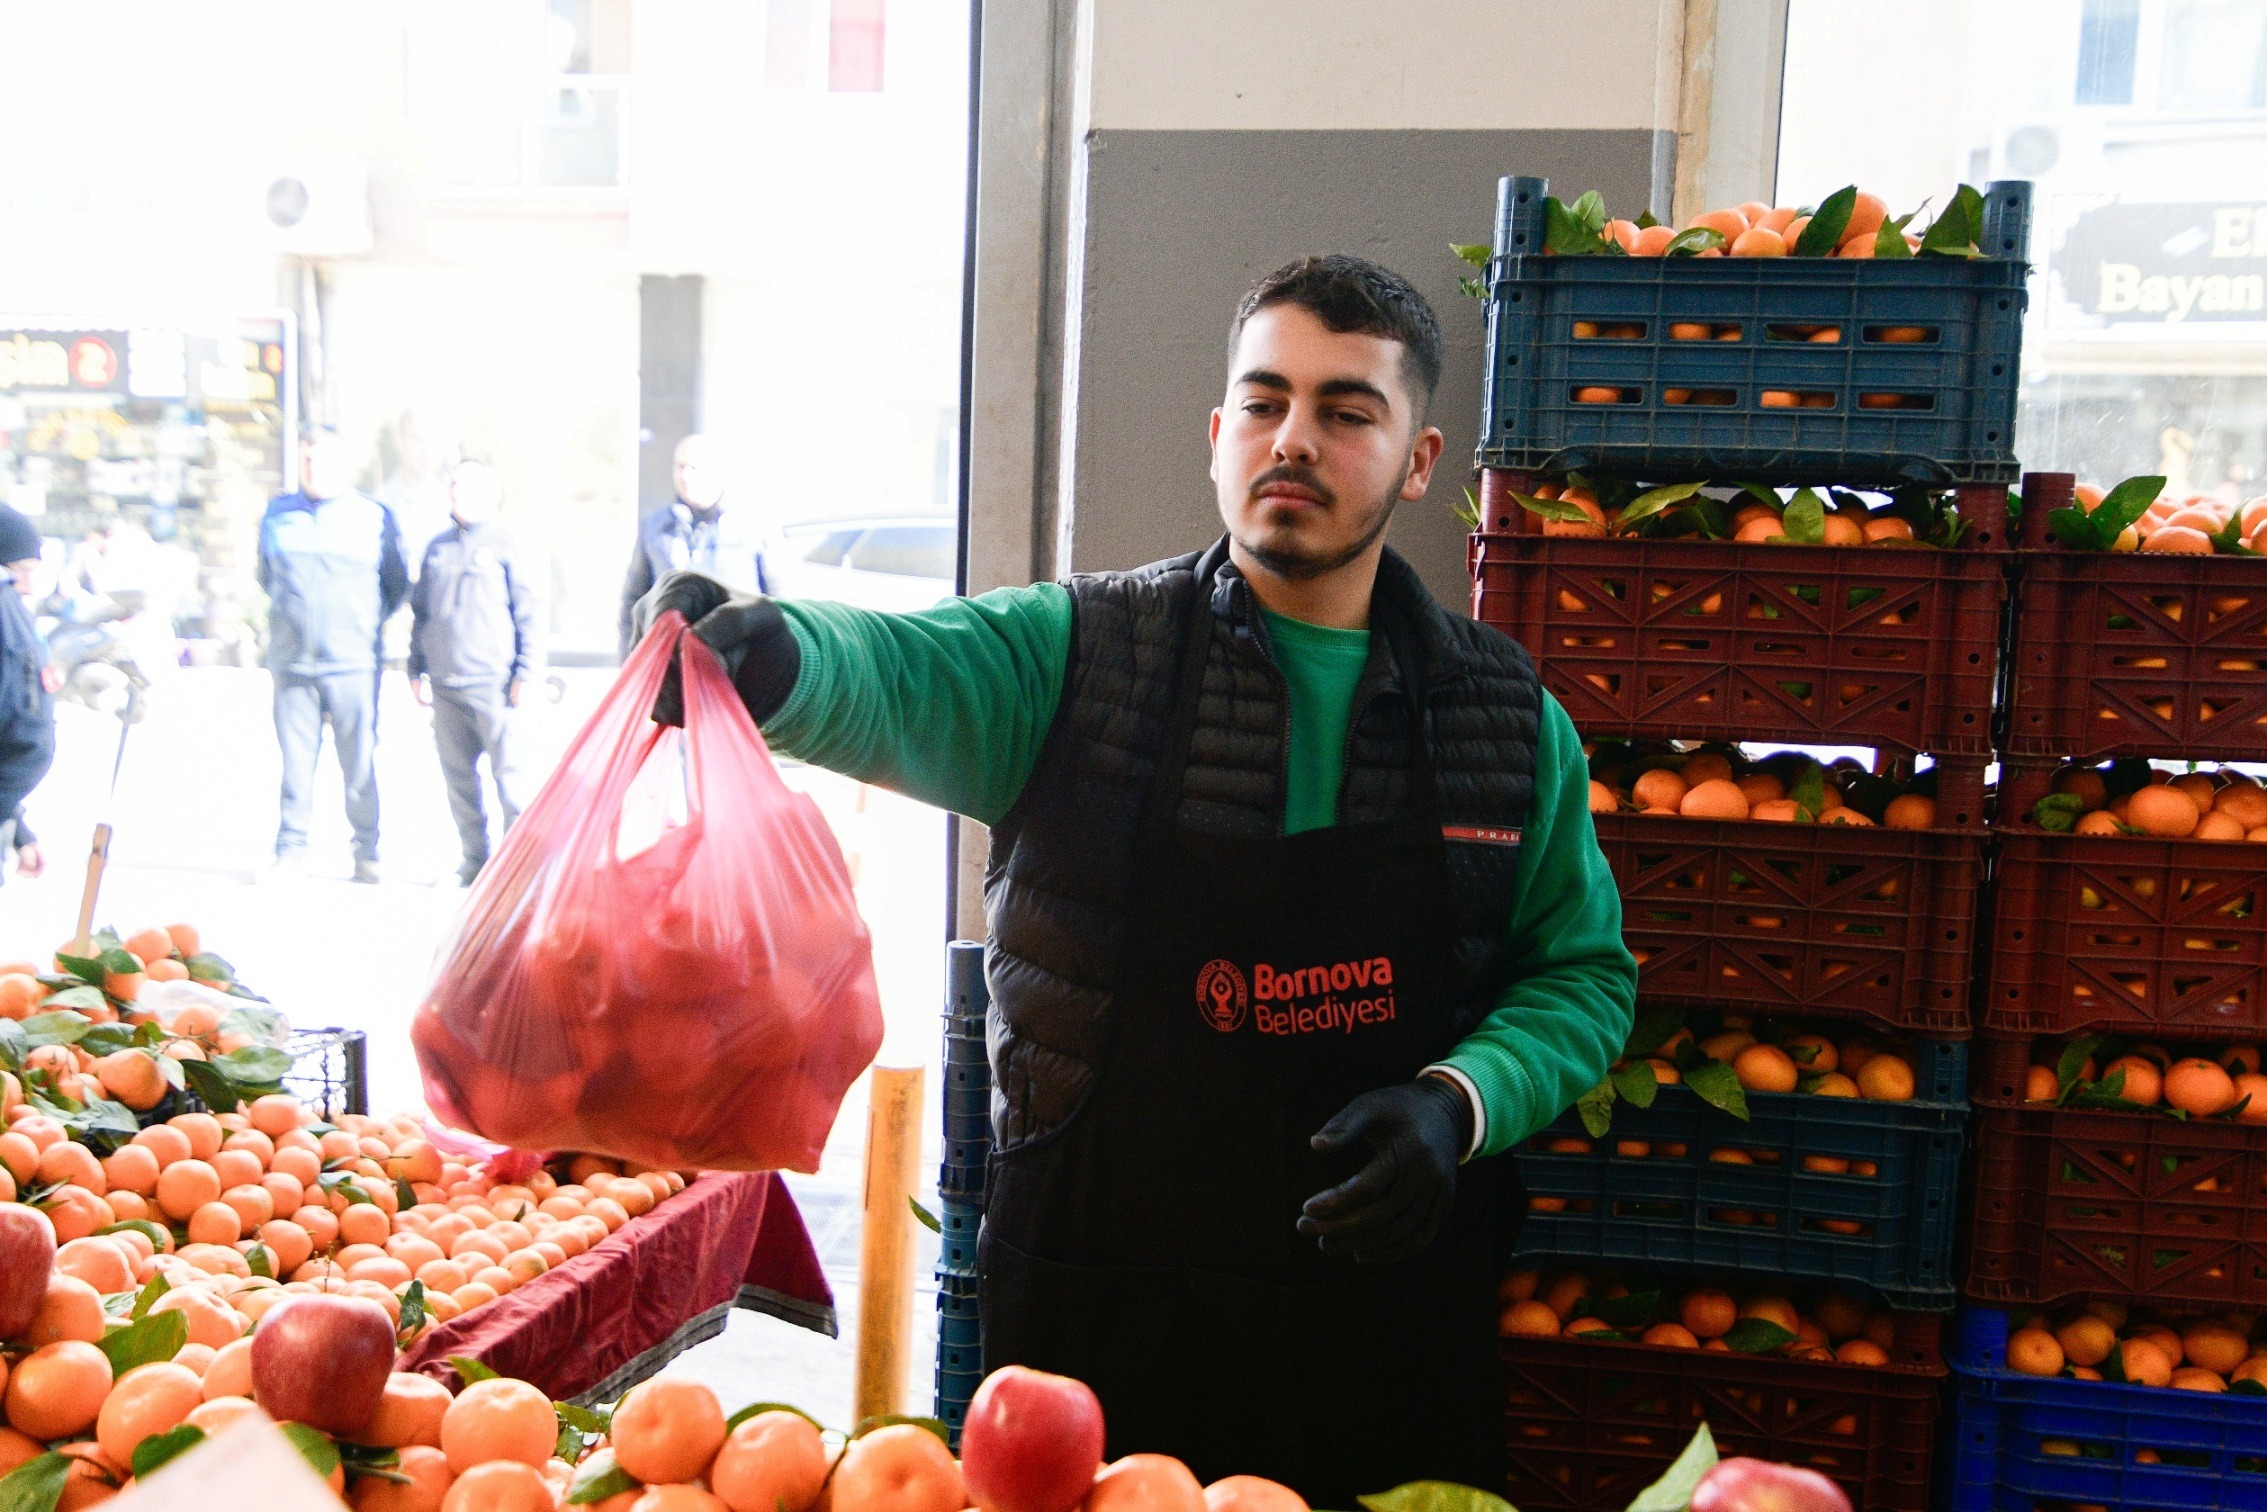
(475, 492)
(22, 572)
(1317, 441)
(323, 468)
(700, 473)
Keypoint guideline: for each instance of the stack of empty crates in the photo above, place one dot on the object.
(960, 1181)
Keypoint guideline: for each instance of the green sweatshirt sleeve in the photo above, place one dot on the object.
(1573, 990)
(949, 705)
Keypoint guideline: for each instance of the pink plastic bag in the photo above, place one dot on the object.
(664, 962)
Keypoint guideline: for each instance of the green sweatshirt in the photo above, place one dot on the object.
(951, 706)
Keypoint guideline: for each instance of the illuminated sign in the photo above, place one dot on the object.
(2124, 264)
(60, 361)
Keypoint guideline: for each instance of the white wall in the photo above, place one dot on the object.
(1359, 65)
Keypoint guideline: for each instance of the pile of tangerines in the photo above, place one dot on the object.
(1720, 782)
(1748, 514)
(2110, 1341)
(2188, 525)
(2130, 797)
(1606, 1308)
(2099, 1071)
(1765, 1056)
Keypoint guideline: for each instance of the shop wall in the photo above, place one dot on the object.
(1210, 147)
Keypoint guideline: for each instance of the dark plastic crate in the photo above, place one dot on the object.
(1958, 386)
(2210, 1449)
(1772, 1215)
(2133, 653)
(1722, 640)
(1805, 919)
(2159, 937)
(1593, 1423)
(2075, 1202)
(329, 1070)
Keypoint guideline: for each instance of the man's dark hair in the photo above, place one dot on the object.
(1353, 295)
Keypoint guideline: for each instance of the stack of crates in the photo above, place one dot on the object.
(1692, 639)
(2152, 940)
(960, 1182)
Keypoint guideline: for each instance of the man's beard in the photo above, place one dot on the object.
(1296, 563)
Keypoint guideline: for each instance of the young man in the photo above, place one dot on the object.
(27, 688)
(471, 652)
(1298, 923)
(331, 564)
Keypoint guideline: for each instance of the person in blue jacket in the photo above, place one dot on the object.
(331, 562)
(471, 652)
(700, 530)
(27, 704)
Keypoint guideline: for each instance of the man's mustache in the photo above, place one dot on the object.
(1290, 472)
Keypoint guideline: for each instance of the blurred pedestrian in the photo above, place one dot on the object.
(700, 529)
(27, 689)
(331, 562)
(472, 653)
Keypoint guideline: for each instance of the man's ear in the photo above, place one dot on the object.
(1212, 442)
(1424, 452)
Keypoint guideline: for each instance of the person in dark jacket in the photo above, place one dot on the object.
(331, 563)
(699, 530)
(27, 703)
(471, 652)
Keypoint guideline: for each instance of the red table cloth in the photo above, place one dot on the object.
(658, 1285)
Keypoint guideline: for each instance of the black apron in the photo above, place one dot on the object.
(1149, 1246)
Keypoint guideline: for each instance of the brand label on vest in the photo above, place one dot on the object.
(1479, 834)
(1338, 998)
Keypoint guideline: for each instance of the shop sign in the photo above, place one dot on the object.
(2129, 264)
(61, 361)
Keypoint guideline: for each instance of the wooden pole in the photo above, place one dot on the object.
(885, 1262)
(82, 943)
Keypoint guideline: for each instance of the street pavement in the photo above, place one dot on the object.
(194, 819)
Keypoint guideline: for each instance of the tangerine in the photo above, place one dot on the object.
(2033, 1351)
(773, 1462)
(2086, 1340)
(499, 1486)
(148, 1399)
(1765, 1068)
(2143, 1086)
(409, 1412)
(57, 1390)
(902, 1468)
(427, 1476)
(1528, 1320)
(2199, 1087)
(1886, 1078)
(498, 1420)
(2144, 1363)
(1708, 1314)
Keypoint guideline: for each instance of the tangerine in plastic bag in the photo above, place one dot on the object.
(664, 961)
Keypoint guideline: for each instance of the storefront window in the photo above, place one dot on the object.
(2142, 125)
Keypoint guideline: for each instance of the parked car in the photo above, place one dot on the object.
(893, 562)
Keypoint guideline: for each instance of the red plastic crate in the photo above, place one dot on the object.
(2162, 937)
(1806, 919)
(2086, 1202)
(2133, 654)
(1593, 1423)
(1715, 640)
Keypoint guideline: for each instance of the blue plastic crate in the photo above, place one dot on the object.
(1958, 384)
(1772, 1215)
(958, 1222)
(2210, 1448)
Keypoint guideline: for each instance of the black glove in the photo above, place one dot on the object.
(1394, 1206)
(746, 631)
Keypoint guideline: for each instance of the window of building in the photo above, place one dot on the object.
(2142, 127)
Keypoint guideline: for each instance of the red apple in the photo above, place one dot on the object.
(27, 1251)
(323, 1360)
(1753, 1485)
(1032, 1442)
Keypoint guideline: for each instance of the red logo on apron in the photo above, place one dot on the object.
(1221, 995)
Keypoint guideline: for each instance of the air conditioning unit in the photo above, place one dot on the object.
(316, 204)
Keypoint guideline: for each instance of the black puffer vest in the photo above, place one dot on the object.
(1054, 887)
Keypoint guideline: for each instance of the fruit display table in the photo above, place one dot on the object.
(612, 1316)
